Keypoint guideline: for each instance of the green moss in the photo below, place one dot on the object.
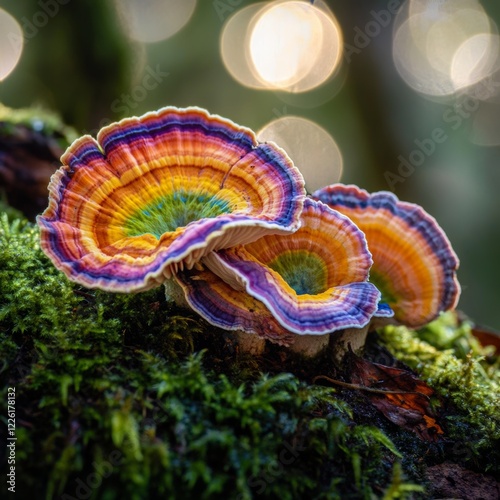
(125, 396)
(450, 359)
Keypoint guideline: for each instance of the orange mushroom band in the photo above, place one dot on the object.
(153, 195)
(312, 282)
(414, 265)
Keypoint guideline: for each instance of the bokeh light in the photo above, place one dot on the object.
(282, 42)
(474, 60)
(150, 21)
(11, 44)
(318, 96)
(292, 46)
(312, 149)
(442, 48)
(233, 42)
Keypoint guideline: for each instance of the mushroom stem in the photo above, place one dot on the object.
(354, 338)
(310, 345)
(249, 343)
(380, 322)
(175, 293)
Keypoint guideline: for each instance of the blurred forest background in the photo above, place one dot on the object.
(404, 118)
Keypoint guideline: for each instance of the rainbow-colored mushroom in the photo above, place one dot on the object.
(192, 200)
(154, 194)
(312, 282)
(414, 265)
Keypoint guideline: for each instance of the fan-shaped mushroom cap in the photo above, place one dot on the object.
(153, 194)
(312, 281)
(414, 265)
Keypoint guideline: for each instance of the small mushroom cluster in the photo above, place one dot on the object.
(193, 201)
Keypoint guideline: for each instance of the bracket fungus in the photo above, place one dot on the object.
(414, 265)
(153, 194)
(192, 201)
(313, 282)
